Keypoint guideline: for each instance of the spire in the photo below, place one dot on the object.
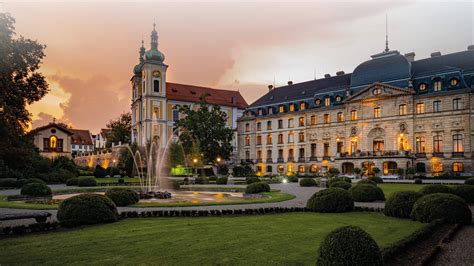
(386, 34)
(154, 38)
(142, 52)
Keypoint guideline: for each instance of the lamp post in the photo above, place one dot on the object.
(195, 160)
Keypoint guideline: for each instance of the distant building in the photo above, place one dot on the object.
(81, 141)
(100, 140)
(53, 140)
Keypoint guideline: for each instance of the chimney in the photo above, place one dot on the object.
(270, 87)
(290, 83)
(410, 56)
(435, 54)
(327, 75)
(470, 47)
(338, 73)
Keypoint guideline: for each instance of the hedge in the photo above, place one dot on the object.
(8, 182)
(469, 181)
(366, 193)
(36, 190)
(400, 204)
(331, 200)
(86, 182)
(464, 191)
(222, 181)
(366, 181)
(448, 207)
(376, 179)
(339, 178)
(349, 245)
(250, 180)
(73, 181)
(87, 209)
(341, 184)
(436, 188)
(122, 196)
(257, 187)
(201, 180)
(308, 182)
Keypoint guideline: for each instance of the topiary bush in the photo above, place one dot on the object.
(222, 181)
(367, 181)
(331, 200)
(338, 179)
(366, 193)
(418, 181)
(8, 182)
(469, 181)
(60, 176)
(86, 181)
(448, 207)
(257, 187)
(100, 172)
(122, 196)
(250, 180)
(376, 179)
(349, 245)
(201, 180)
(400, 204)
(87, 209)
(437, 188)
(36, 190)
(341, 184)
(464, 191)
(308, 182)
(72, 182)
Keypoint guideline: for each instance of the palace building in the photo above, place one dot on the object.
(154, 99)
(391, 112)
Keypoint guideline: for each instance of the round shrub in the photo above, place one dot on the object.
(349, 245)
(252, 179)
(367, 181)
(201, 180)
(8, 182)
(366, 193)
(469, 181)
(100, 172)
(376, 179)
(72, 181)
(464, 191)
(257, 187)
(86, 182)
(437, 188)
(308, 182)
(122, 196)
(331, 200)
(87, 209)
(36, 190)
(221, 181)
(400, 204)
(60, 176)
(448, 207)
(418, 181)
(341, 184)
(338, 179)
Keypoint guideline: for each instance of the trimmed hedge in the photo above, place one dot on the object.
(257, 187)
(418, 181)
(36, 190)
(469, 181)
(8, 182)
(400, 204)
(202, 180)
(308, 182)
(448, 207)
(436, 188)
(464, 191)
(366, 193)
(222, 181)
(252, 179)
(366, 181)
(349, 245)
(87, 209)
(331, 200)
(73, 181)
(376, 179)
(122, 196)
(341, 184)
(86, 182)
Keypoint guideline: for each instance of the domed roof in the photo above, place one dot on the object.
(383, 67)
(154, 55)
(138, 68)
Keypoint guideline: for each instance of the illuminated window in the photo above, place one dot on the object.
(340, 117)
(458, 143)
(290, 123)
(280, 169)
(456, 104)
(313, 120)
(280, 138)
(420, 144)
(281, 109)
(377, 91)
(314, 168)
(317, 102)
(402, 109)
(340, 147)
(377, 112)
(422, 87)
(269, 139)
(292, 107)
(326, 118)
(301, 169)
(436, 106)
(259, 140)
(437, 167)
(353, 146)
(438, 143)
(327, 101)
(353, 115)
(301, 137)
(247, 141)
(259, 155)
(301, 121)
(458, 167)
(338, 98)
(302, 106)
(53, 142)
(453, 82)
(437, 86)
(420, 108)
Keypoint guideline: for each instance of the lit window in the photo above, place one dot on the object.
(281, 109)
(420, 108)
(301, 121)
(354, 115)
(436, 106)
(301, 169)
(326, 118)
(301, 137)
(269, 139)
(280, 138)
(437, 86)
(377, 91)
(302, 106)
(314, 168)
(456, 104)
(280, 169)
(327, 101)
(402, 109)
(313, 120)
(457, 167)
(437, 143)
(377, 112)
(420, 144)
(453, 82)
(259, 140)
(53, 142)
(290, 123)
(437, 167)
(340, 117)
(458, 143)
(317, 102)
(422, 87)
(338, 98)
(292, 107)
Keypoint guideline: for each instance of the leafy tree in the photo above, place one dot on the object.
(121, 129)
(208, 125)
(176, 155)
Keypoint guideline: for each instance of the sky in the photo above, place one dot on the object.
(92, 46)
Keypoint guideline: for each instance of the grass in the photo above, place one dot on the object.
(389, 189)
(291, 238)
(4, 203)
(271, 197)
(115, 180)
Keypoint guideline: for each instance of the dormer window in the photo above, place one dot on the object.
(438, 85)
(338, 98)
(302, 106)
(327, 101)
(292, 107)
(260, 112)
(453, 82)
(377, 91)
(422, 87)
(281, 109)
(270, 110)
(317, 102)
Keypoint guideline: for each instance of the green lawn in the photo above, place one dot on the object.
(291, 238)
(389, 189)
(4, 203)
(115, 180)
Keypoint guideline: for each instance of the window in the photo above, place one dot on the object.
(280, 168)
(313, 120)
(326, 118)
(437, 143)
(302, 106)
(437, 86)
(259, 155)
(317, 102)
(259, 126)
(259, 140)
(292, 107)
(353, 115)
(377, 112)
(269, 139)
(313, 150)
(301, 168)
(156, 85)
(247, 140)
(280, 124)
(301, 137)
(377, 91)
(280, 154)
(247, 155)
(420, 144)
(402, 109)
(290, 137)
(280, 138)
(353, 146)
(269, 125)
(314, 168)
(420, 108)
(301, 121)
(437, 167)
(269, 154)
(456, 104)
(270, 110)
(457, 167)
(453, 82)
(340, 117)
(290, 123)
(247, 127)
(422, 87)
(260, 111)
(436, 106)
(458, 143)
(175, 115)
(301, 153)
(281, 109)
(340, 147)
(326, 150)
(53, 142)
(338, 98)
(327, 101)
(291, 154)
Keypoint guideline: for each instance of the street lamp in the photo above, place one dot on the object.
(218, 159)
(195, 160)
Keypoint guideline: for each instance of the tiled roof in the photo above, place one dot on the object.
(50, 125)
(104, 132)
(81, 136)
(190, 93)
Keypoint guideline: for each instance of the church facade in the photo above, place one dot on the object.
(391, 112)
(154, 99)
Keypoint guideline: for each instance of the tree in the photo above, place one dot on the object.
(207, 124)
(176, 154)
(121, 129)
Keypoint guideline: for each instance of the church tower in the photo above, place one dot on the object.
(149, 110)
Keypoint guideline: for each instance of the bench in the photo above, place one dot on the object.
(40, 217)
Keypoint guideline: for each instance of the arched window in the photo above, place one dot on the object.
(280, 138)
(301, 121)
(301, 168)
(458, 143)
(453, 82)
(53, 142)
(458, 167)
(314, 168)
(422, 87)
(156, 85)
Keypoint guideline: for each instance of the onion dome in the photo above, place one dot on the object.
(153, 53)
(138, 68)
